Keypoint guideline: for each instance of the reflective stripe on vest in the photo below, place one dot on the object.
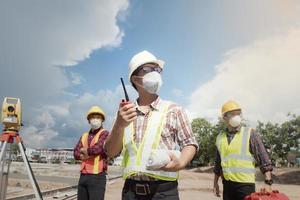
(93, 165)
(135, 158)
(236, 160)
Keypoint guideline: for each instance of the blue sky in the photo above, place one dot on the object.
(67, 56)
(160, 28)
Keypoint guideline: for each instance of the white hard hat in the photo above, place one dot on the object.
(142, 58)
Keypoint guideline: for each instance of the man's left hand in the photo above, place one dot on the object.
(84, 151)
(174, 165)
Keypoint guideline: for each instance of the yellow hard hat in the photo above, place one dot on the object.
(95, 110)
(230, 106)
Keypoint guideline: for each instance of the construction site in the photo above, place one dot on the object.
(23, 177)
(60, 182)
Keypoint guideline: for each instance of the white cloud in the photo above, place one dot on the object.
(38, 138)
(177, 92)
(263, 77)
(38, 36)
(248, 20)
(38, 40)
(42, 132)
(45, 119)
(76, 78)
(63, 123)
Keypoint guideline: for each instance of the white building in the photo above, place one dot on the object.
(61, 154)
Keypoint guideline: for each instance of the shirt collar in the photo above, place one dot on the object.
(94, 132)
(155, 105)
(234, 131)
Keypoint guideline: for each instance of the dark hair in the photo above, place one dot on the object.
(135, 73)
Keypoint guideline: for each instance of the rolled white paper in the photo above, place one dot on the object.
(159, 158)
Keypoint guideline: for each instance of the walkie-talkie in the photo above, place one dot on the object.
(125, 92)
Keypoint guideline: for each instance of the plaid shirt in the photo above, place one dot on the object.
(257, 149)
(177, 132)
(96, 149)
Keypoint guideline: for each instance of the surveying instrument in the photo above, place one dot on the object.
(12, 122)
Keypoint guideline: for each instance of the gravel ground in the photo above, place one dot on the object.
(192, 183)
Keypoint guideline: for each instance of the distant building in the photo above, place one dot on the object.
(61, 154)
(29, 152)
(49, 154)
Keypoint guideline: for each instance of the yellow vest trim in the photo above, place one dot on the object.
(134, 158)
(84, 141)
(236, 160)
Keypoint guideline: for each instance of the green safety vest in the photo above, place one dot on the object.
(236, 160)
(135, 158)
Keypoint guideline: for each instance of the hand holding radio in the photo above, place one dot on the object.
(127, 110)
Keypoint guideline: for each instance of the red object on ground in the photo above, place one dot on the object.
(274, 195)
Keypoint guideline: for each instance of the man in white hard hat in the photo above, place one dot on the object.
(146, 125)
(237, 149)
(90, 151)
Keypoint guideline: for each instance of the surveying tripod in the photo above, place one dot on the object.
(7, 139)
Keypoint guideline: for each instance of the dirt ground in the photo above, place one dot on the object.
(197, 184)
(193, 184)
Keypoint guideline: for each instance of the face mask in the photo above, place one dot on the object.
(235, 121)
(152, 82)
(95, 123)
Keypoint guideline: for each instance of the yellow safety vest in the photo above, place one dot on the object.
(93, 165)
(236, 160)
(135, 158)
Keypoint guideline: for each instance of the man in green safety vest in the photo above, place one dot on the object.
(237, 150)
(149, 125)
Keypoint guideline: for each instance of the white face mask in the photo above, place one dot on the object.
(152, 82)
(235, 121)
(95, 123)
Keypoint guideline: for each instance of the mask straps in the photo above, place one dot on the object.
(141, 77)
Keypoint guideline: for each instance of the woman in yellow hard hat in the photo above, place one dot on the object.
(237, 147)
(89, 150)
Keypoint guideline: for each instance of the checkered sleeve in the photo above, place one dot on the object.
(259, 152)
(77, 148)
(185, 135)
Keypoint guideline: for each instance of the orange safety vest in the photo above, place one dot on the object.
(94, 164)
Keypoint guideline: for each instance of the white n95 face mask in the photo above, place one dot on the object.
(152, 82)
(235, 121)
(95, 123)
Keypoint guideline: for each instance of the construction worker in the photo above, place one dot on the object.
(237, 149)
(89, 150)
(148, 124)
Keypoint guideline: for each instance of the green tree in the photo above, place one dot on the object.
(280, 139)
(206, 134)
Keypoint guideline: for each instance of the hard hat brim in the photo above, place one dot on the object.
(223, 114)
(88, 116)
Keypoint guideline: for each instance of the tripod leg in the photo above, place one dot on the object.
(5, 172)
(3, 175)
(33, 181)
(3, 149)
